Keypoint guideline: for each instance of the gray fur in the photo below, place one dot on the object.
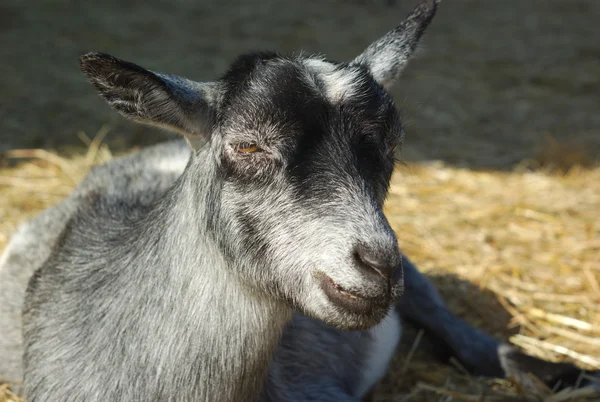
(144, 175)
(219, 274)
(387, 57)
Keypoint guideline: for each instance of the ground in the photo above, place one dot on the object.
(504, 95)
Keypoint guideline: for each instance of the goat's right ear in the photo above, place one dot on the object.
(162, 100)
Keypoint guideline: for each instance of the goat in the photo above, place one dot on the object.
(257, 265)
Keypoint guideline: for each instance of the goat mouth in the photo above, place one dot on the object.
(352, 301)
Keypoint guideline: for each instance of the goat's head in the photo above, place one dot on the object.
(302, 150)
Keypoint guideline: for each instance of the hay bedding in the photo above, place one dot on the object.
(513, 253)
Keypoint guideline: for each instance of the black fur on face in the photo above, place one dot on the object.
(322, 137)
(271, 101)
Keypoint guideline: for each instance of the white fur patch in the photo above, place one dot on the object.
(6, 253)
(385, 339)
(18, 241)
(171, 165)
(339, 83)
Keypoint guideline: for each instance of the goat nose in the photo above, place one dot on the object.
(379, 263)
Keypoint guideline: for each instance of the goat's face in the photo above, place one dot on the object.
(302, 151)
(307, 151)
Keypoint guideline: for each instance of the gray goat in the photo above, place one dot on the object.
(257, 265)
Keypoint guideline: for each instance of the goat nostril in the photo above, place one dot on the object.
(372, 262)
(368, 263)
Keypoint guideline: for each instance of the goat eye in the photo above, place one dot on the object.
(247, 148)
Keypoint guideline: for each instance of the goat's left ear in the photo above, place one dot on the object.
(387, 57)
(167, 101)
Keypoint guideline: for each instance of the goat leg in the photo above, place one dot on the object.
(477, 351)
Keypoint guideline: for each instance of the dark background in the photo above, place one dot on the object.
(496, 81)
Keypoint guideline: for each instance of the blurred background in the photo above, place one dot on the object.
(496, 82)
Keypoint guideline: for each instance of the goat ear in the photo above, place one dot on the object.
(387, 57)
(162, 100)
